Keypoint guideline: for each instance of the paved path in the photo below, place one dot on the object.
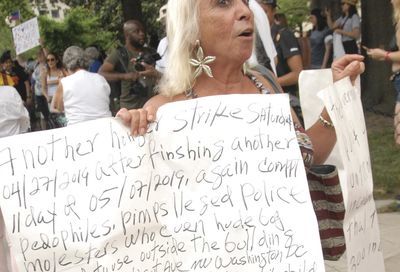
(389, 224)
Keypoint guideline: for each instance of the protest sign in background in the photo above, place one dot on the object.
(26, 36)
(218, 183)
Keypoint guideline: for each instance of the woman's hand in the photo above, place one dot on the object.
(348, 66)
(137, 119)
(339, 31)
(376, 53)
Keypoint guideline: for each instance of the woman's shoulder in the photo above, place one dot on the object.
(159, 100)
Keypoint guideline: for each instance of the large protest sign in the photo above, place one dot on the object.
(26, 36)
(361, 221)
(218, 184)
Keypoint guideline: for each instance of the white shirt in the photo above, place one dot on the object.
(14, 118)
(264, 31)
(85, 96)
(162, 50)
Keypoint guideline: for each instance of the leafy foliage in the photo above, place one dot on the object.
(109, 13)
(112, 21)
(296, 11)
(150, 14)
(80, 27)
(6, 7)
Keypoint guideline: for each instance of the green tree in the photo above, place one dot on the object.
(296, 12)
(6, 7)
(143, 10)
(80, 27)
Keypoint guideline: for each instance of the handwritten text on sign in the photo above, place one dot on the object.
(361, 223)
(26, 36)
(218, 184)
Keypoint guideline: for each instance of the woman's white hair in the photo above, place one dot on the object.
(182, 33)
(74, 58)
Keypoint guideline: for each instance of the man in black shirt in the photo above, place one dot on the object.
(289, 55)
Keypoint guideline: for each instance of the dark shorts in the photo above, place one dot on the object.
(42, 106)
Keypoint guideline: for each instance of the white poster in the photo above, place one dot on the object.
(361, 227)
(218, 184)
(26, 36)
(351, 155)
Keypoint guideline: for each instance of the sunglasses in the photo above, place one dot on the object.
(51, 59)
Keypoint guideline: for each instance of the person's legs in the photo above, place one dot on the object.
(43, 108)
(396, 121)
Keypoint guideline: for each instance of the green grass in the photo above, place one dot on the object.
(385, 157)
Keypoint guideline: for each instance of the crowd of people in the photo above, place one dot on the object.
(50, 91)
(212, 48)
(134, 72)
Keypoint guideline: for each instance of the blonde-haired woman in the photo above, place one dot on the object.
(394, 58)
(209, 43)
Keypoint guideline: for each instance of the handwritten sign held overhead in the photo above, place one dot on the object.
(26, 36)
(218, 183)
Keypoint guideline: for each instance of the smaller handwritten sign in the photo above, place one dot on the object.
(361, 227)
(26, 36)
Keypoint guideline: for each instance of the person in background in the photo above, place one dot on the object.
(52, 75)
(347, 25)
(392, 56)
(290, 63)
(82, 95)
(162, 48)
(20, 79)
(40, 99)
(94, 59)
(264, 53)
(14, 118)
(320, 51)
(130, 65)
(280, 19)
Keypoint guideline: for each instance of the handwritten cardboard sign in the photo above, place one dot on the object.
(217, 184)
(26, 35)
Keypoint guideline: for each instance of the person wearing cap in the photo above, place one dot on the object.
(289, 63)
(162, 48)
(347, 25)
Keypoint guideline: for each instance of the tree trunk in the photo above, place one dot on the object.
(377, 31)
(132, 9)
